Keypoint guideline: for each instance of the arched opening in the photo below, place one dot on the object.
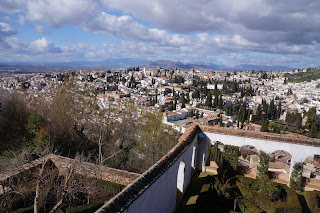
(311, 171)
(180, 180)
(248, 161)
(279, 166)
(194, 157)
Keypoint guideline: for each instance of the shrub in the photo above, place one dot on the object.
(85, 208)
(109, 187)
(231, 155)
(262, 169)
(313, 200)
(248, 207)
(291, 205)
(296, 176)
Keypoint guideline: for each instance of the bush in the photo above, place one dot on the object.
(266, 187)
(296, 176)
(231, 155)
(247, 207)
(262, 169)
(313, 200)
(85, 208)
(292, 203)
(109, 187)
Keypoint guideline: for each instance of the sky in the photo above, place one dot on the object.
(225, 32)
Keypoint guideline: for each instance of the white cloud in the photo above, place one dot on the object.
(6, 30)
(43, 45)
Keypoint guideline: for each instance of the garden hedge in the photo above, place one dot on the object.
(291, 205)
(248, 207)
(313, 200)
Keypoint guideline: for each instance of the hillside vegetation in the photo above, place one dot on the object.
(309, 75)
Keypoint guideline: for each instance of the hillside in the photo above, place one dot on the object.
(309, 75)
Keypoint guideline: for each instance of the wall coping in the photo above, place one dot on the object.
(63, 164)
(129, 194)
(262, 135)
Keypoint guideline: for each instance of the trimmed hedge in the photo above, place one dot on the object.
(85, 208)
(292, 205)
(247, 207)
(313, 199)
(112, 188)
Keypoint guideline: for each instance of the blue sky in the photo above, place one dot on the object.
(226, 32)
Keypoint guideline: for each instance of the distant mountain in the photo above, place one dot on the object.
(244, 67)
(212, 66)
(136, 62)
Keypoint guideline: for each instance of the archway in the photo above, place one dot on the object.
(248, 161)
(180, 180)
(279, 166)
(194, 157)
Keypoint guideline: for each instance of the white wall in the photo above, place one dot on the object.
(160, 197)
(299, 152)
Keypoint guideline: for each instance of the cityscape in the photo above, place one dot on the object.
(119, 106)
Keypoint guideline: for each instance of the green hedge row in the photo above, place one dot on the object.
(85, 208)
(292, 204)
(109, 187)
(248, 207)
(264, 186)
(313, 200)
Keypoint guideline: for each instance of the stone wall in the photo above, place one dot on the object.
(296, 139)
(155, 190)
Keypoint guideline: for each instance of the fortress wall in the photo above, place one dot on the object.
(156, 189)
(299, 151)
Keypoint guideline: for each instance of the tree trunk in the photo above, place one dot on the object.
(38, 187)
(57, 205)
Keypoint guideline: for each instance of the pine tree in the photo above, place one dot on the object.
(264, 126)
(296, 176)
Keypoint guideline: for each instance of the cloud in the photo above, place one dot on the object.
(202, 30)
(6, 30)
(12, 6)
(257, 20)
(43, 45)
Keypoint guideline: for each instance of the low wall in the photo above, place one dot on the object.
(295, 139)
(156, 189)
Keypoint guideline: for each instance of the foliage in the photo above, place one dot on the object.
(291, 205)
(215, 154)
(224, 185)
(248, 207)
(296, 176)
(262, 168)
(85, 208)
(109, 187)
(231, 155)
(309, 75)
(264, 126)
(295, 119)
(155, 140)
(313, 200)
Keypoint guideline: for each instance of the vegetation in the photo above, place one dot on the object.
(215, 154)
(309, 75)
(296, 176)
(124, 138)
(262, 169)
